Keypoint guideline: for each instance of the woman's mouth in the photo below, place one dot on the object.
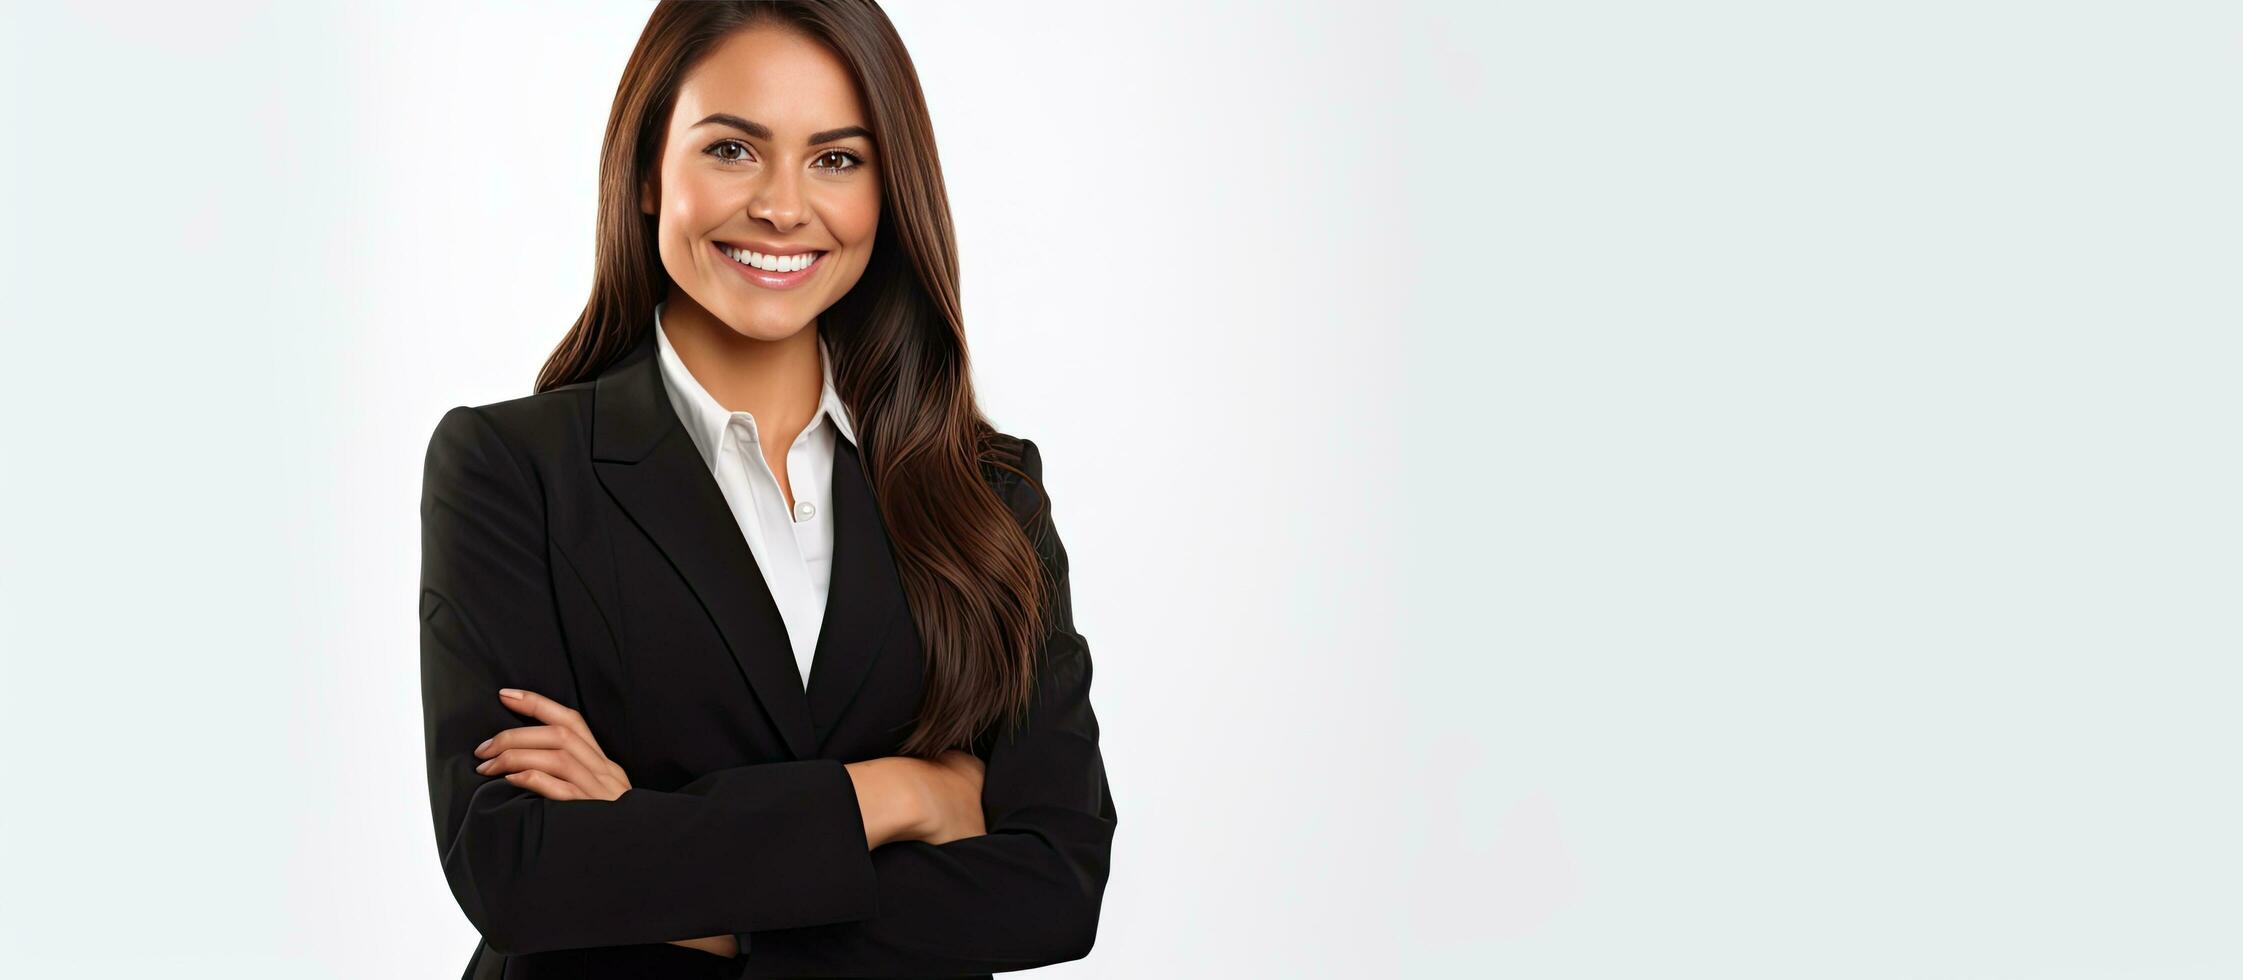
(770, 271)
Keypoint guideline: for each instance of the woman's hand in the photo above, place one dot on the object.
(908, 798)
(726, 945)
(559, 760)
(952, 806)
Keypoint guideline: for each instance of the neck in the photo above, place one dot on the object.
(777, 381)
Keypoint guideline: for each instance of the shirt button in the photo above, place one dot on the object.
(804, 510)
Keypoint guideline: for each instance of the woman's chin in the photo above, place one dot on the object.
(764, 324)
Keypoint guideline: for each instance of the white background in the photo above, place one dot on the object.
(1597, 489)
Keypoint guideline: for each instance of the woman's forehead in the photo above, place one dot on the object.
(778, 78)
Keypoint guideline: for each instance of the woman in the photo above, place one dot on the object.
(746, 644)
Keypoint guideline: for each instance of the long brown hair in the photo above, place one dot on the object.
(970, 574)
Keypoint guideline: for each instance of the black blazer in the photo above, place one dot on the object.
(574, 543)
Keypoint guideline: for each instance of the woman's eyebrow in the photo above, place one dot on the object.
(763, 132)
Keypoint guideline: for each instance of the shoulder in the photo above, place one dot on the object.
(1015, 467)
(534, 419)
(1006, 458)
(1002, 456)
(531, 430)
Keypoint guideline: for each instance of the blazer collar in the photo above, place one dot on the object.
(649, 464)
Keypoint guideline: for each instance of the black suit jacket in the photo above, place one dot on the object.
(574, 543)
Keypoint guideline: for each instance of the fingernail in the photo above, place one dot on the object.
(486, 744)
(508, 692)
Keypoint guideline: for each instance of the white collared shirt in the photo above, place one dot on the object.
(794, 549)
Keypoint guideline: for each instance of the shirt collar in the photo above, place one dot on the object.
(705, 418)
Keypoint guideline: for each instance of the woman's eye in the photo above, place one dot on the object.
(854, 160)
(715, 148)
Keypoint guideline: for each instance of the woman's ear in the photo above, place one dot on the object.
(647, 195)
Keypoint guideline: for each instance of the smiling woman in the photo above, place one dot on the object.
(784, 196)
(746, 641)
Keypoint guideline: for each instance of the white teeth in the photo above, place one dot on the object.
(771, 263)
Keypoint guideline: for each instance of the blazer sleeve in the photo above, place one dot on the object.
(1026, 893)
(751, 847)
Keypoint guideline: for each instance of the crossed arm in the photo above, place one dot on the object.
(901, 798)
(773, 854)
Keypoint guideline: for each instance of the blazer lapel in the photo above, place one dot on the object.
(864, 602)
(648, 464)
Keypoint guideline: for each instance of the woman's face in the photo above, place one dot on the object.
(768, 149)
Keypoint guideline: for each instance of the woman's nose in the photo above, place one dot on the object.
(778, 201)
